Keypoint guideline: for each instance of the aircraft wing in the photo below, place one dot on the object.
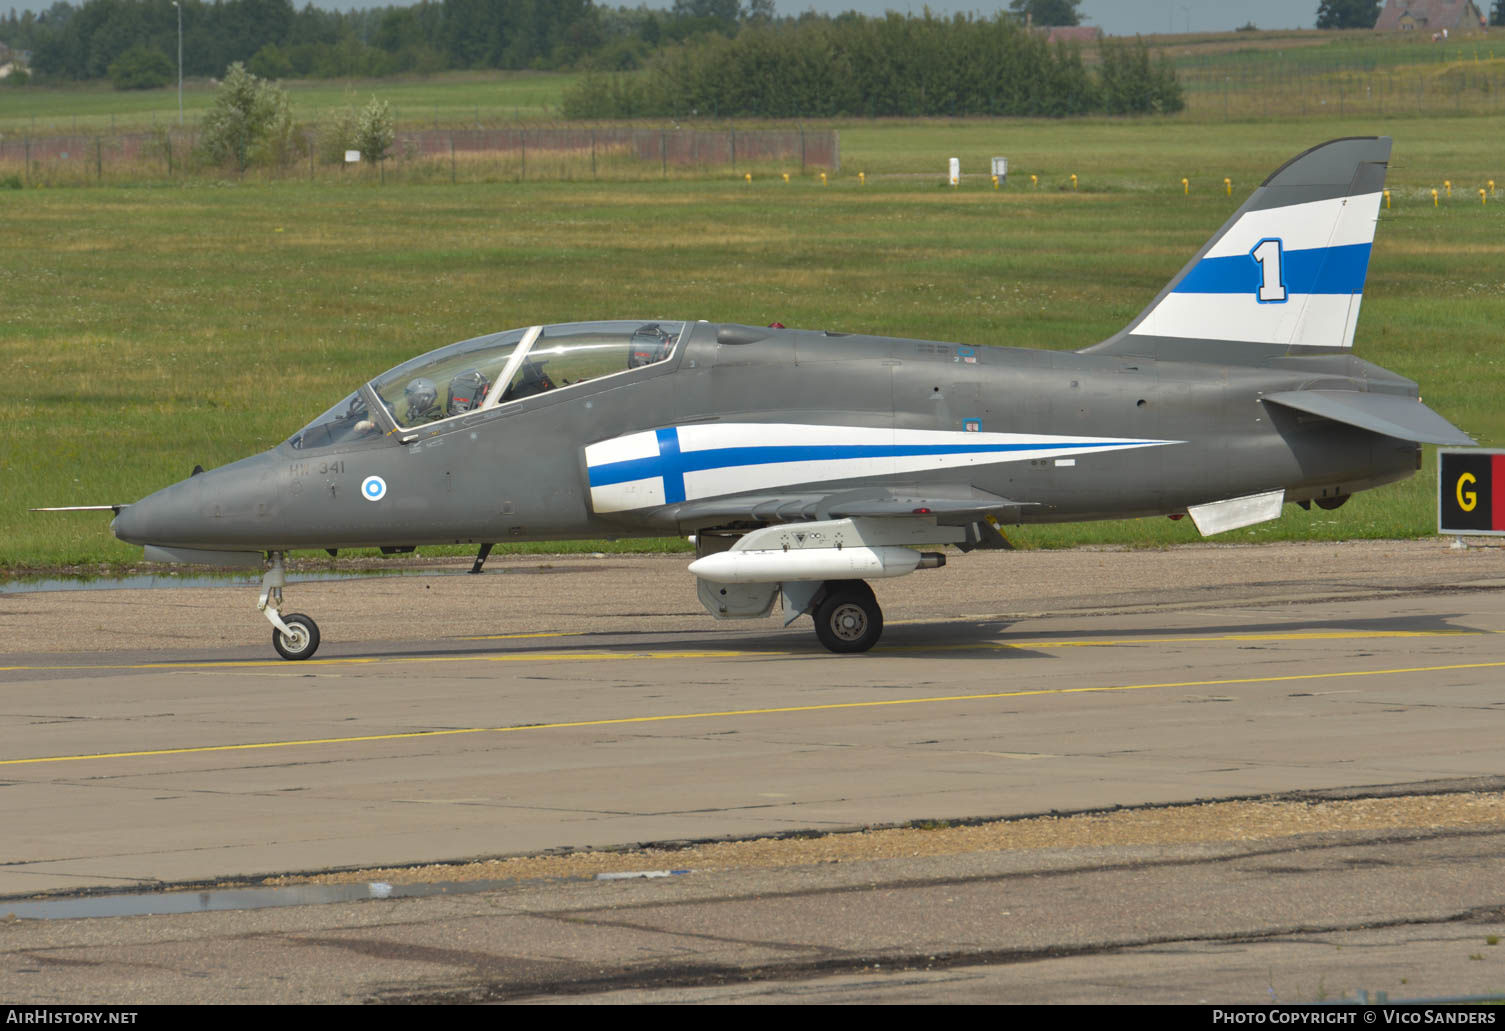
(950, 503)
(1388, 414)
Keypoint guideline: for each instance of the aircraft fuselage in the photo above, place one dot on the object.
(805, 463)
(1185, 433)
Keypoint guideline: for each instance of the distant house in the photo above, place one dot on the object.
(1074, 34)
(1430, 16)
(11, 60)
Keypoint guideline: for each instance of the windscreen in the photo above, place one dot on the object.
(348, 421)
(450, 381)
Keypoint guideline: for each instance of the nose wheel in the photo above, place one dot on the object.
(295, 636)
(848, 619)
(299, 640)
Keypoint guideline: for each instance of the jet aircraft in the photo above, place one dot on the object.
(803, 464)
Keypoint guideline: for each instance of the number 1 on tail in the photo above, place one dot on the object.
(1267, 254)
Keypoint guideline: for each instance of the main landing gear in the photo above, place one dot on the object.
(847, 618)
(295, 636)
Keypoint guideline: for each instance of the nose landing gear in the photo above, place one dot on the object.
(295, 636)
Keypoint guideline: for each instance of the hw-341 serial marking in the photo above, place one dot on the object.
(326, 468)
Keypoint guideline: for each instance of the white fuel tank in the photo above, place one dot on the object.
(750, 567)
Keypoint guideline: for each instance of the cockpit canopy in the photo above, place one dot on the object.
(488, 371)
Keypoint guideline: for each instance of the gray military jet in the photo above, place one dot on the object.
(804, 464)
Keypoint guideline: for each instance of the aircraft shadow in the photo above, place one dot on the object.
(959, 639)
(1429, 624)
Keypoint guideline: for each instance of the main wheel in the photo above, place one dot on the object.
(849, 619)
(303, 641)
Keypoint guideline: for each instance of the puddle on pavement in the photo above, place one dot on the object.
(173, 902)
(215, 899)
(150, 580)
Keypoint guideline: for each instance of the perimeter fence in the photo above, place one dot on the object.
(430, 155)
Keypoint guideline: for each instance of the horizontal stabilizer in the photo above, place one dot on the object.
(1388, 414)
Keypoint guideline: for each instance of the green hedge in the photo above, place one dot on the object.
(896, 65)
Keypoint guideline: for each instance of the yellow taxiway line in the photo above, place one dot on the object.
(728, 713)
(605, 655)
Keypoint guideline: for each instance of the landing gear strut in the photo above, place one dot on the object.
(295, 636)
(848, 618)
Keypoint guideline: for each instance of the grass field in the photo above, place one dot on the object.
(146, 329)
(1310, 51)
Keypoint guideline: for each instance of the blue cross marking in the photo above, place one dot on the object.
(671, 463)
(670, 457)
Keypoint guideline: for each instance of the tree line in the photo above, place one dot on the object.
(895, 65)
(712, 58)
(276, 40)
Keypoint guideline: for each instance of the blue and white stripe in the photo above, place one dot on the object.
(1324, 251)
(688, 463)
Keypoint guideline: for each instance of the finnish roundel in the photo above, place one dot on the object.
(373, 488)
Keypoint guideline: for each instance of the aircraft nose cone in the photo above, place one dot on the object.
(124, 526)
(160, 518)
(234, 506)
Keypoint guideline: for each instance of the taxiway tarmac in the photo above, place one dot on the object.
(582, 703)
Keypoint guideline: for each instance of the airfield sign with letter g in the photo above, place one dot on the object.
(1470, 491)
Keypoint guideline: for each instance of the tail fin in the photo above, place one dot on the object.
(1285, 272)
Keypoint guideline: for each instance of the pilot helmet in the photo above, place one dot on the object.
(421, 394)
